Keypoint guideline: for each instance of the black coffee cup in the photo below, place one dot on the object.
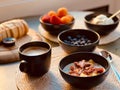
(35, 58)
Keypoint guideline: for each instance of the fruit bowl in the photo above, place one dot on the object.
(56, 29)
(56, 22)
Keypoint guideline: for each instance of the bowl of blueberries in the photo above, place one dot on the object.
(78, 40)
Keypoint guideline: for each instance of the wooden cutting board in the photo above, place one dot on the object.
(10, 54)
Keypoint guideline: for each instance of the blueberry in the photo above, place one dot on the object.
(88, 41)
(78, 36)
(74, 39)
(65, 41)
(79, 40)
(86, 44)
(69, 37)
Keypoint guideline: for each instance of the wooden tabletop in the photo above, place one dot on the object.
(9, 72)
(10, 76)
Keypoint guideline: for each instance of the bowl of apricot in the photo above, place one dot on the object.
(55, 22)
(84, 70)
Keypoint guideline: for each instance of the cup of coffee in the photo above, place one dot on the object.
(35, 58)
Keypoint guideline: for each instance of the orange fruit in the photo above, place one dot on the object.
(66, 19)
(70, 16)
(51, 13)
(62, 12)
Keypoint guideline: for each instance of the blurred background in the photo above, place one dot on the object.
(21, 8)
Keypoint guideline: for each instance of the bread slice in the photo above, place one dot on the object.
(3, 32)
(25, 26)
(20, 31)
(13, 29)
(22, 26)
(9, 34)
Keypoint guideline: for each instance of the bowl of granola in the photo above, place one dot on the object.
(84, 70)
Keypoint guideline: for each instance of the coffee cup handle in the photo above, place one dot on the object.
(24, 66)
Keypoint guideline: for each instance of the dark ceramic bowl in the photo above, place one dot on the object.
(84, 82)
(101, 29)
(55, 29)
(70, 48)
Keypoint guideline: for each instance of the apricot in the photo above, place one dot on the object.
(66, 19)
(62, 12)
(70, 16)
(51, 13)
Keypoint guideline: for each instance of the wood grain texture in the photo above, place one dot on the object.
(53, 80)
(10, 54)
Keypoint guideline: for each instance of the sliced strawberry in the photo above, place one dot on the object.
(55, 20)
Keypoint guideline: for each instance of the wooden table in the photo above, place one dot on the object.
(9, 74)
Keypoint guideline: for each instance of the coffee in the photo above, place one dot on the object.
(34, 50)
(35, 58)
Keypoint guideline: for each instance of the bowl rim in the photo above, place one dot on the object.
(85, 20)
(106, 70)
(77, 30)
(40, 20)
